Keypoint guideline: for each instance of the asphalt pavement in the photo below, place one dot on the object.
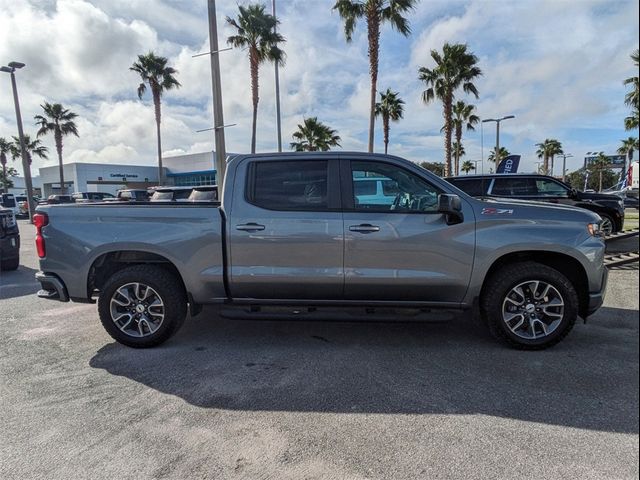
(312, 400)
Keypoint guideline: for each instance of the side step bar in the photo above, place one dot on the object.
(617, 259)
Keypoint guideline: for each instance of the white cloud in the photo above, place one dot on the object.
(557, 65)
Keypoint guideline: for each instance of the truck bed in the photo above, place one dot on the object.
(189, 235)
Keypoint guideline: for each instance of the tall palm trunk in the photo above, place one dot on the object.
(156, 105)
(600, 189)
(373, 30)
(58, 139)
(457, 152)
(447, 133)
(385, 127)
(4, 174)
(545, 163)
(552, 163)
(253, 61)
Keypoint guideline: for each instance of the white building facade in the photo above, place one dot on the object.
(97, 177)
(181, 170)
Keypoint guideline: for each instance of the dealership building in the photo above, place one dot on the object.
(191, 170)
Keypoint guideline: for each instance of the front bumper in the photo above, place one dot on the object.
(596, 299)
(52, 287)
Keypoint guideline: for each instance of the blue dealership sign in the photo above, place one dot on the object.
(509, 164)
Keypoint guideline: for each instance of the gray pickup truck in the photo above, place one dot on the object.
(326, 235)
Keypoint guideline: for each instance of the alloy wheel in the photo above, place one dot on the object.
(137, 309)
(533, 309)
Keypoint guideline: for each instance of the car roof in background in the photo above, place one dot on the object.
(495, 175)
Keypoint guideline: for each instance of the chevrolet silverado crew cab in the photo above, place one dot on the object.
(295, 236)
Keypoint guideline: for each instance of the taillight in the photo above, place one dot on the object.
(40, 220)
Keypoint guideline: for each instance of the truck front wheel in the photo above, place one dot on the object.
(529, 305)
(142, 305)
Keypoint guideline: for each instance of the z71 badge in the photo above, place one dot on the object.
(497, 211)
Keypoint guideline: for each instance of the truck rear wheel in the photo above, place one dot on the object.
(142, 305)
(529, 305)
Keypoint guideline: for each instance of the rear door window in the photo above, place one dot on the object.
(514, 187)
(476, 187)
(289, 185)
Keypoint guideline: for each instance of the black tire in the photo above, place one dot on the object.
(501, 283)
(10, 264)
(168, 287)
(606, 218)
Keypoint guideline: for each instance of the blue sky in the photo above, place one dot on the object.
(558, 66)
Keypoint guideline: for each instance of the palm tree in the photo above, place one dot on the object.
(32, 147)
(632, 98)
(376, 13)
(313, 136)
(467, 166)
(59, 121)
(389, 108)
(600, 164)
(627, 147)
(547, 150)
(255, 32)
(458, 150)
(502, 154)
(5, 147)
(632, 121)
(154, 72)
(455, 68)
(462, 115)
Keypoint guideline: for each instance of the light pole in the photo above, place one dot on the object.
(497, 120)
(475, 163)
(216, 86)
(278, 121)
(564, 163)
(10, 69)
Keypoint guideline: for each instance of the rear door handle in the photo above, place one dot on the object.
(250, 227)
(364, 228)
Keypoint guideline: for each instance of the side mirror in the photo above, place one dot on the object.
(451, 206)
(573, 193)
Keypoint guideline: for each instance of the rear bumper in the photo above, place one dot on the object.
(596, 299)
(52, 287)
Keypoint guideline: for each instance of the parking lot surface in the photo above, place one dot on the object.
(312, 400)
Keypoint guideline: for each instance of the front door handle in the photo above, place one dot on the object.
(364, 228)
(250, 227)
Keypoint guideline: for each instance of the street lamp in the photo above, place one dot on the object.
(10, 69)
(497, 120)
(564, 163)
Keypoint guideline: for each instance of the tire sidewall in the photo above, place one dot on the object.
(507, 280)
(156, 278)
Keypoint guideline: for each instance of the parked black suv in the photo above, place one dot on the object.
(9, 240)
(542, 188)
